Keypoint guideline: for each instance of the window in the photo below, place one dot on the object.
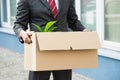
(86, 10)
(8, 12)
(112, 21)
(102, 16)
(5, 11)
(12, 11)
(88, 14)
(108, 23)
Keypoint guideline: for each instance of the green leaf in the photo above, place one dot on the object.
(52, 29)
(49, 25)
(38, 27)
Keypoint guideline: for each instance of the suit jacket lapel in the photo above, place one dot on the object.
(61, 2)
(60, 5)
(45, 3)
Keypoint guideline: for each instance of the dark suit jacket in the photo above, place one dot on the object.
(38, 12)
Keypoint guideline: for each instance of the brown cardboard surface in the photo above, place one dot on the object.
(62, 50)
(68, 40)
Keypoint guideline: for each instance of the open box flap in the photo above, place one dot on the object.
(52, 41)
(67, 40)
(84, 40)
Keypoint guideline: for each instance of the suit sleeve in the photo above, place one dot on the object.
(72, 19)
(22, 17)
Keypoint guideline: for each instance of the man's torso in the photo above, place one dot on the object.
(40, 13)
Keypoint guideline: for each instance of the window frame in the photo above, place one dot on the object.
(109, 49)
(5, 24)
(78, 8)
(100, 27)
(8, 23)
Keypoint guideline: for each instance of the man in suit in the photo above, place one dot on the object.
(40, 12)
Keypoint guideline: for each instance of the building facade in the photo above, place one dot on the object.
(102, 16)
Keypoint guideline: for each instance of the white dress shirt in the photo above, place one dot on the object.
(57, 3)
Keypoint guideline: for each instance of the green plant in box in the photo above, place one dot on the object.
(48, 28)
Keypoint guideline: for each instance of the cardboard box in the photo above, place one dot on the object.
(61, 50)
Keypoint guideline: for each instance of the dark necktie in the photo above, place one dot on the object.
(53, 7)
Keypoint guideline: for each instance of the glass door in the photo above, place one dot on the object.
(88, 14)
(112, 20)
